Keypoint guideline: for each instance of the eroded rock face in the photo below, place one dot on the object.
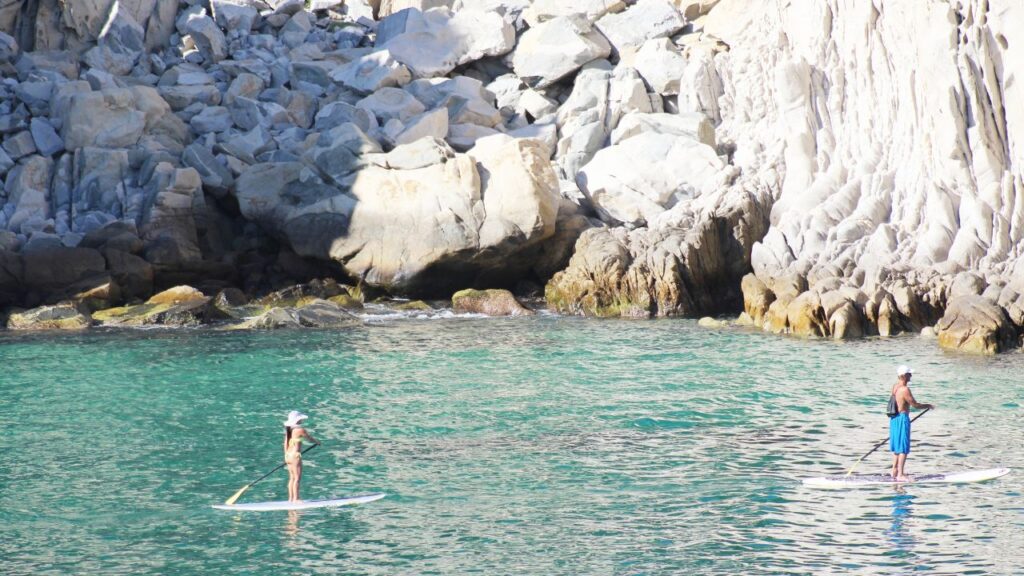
(688, 263)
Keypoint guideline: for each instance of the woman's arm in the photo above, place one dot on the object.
(310, 436)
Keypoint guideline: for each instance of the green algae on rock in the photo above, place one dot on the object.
(59, 317)
(493, 302)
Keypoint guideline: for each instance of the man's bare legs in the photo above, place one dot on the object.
(899, 461)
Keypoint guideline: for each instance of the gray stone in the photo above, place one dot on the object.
(35, 95)
(169, 225)
(248, 145)
(211, 119)
(466, 99)
(6, 163)
(208, 38)
(216, 178)
(46, 139)
(338, 113)
(19, 145)
(646, 19)
(185, 75)
(388, 103)
(340, 152)
(120, 43)
(372, 72)
(234, 15)
(245, 85)
(181, 97)
(8, 48)
(313, 72)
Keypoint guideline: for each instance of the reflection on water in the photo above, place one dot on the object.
(291, 525)
(899, 535)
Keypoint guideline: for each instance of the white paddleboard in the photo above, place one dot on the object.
(863, 480)
(304, 505)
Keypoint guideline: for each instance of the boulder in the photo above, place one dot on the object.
(975, 325)
(688, 263)
(57, 317)
(234, 15)
(169, 224)
(641, 177)
(188, 313)
(177, 295)
(133, 274)
(589, 10)
(491, 302)
(51, 270)
(647, 19)
(806, 317)
(371, 72)
(554, 49)
(421, 230)
(208, 38)
(685, 124)
(435, 42)
(47, 142)
(661, 64)
(312, 313)
(120, 43)
(119, 117)
(756, 298)
(432, 125)
(387, 103)
(466, 99)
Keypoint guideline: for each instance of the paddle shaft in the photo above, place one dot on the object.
(232, 500)
(879, 445)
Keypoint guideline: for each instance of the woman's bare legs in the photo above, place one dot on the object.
(293, 492)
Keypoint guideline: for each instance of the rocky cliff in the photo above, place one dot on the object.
(837, 168)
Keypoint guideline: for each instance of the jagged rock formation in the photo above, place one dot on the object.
(902, 163)
(861, 159)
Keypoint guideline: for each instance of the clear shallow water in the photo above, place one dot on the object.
(523, 446)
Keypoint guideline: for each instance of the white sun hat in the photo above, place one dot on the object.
(904, 369)
(294, 417)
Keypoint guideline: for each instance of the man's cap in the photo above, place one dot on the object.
(904, 369)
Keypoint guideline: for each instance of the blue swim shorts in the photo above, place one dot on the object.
(899, 433)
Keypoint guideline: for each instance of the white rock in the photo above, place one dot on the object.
(544, 10)
(556, 48)
(388, 103)
(645, 20)
(641, 177)
(661, 65)
(536, 104)
(234, 15)
(693, 125)
(467, 100)
(372, 72)
(435, 42)
(432, 124)
(462, 137)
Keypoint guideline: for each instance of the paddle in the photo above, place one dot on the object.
(238, 494)
(877, 446)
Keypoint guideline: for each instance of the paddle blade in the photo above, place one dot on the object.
(237, 495)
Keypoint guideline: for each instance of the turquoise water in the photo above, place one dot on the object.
(507, 446)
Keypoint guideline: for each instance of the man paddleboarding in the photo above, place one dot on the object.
(900, 402)
(293, 435)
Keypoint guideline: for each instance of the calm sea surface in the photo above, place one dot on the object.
(506, 446)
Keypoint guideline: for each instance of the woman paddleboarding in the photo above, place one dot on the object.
(293, 436)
